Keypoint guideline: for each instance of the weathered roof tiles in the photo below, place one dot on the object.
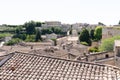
(31, 67)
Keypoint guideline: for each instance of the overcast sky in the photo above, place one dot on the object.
(66, 11)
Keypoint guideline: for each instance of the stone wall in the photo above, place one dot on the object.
(99, 56)
(108, 32)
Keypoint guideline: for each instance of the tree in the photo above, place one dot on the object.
(30, 27)
(38, 24)
(13, 41)
(98, 33)
(38, 36)
(92, 34)
(108, 44)
(18, 30)
(70, 30)
(53, 29)
(84, 36)
(101, 24)
(57, 30)
(119, 22)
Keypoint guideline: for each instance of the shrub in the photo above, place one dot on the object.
(93, 49)
(13, 41)
(84, 43)
(30, 38)
(20, 36)
(2, 35)
(108, 44)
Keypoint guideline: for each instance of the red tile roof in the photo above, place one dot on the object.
(33, 67)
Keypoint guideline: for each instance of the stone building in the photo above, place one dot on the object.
(108, 32)
(51, 24)
(117, 52)
(51, 36)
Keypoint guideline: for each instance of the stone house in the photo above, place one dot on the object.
(117, 52)
(108, 32)
(51, 36)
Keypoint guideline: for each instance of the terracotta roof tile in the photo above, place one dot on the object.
(33, 67)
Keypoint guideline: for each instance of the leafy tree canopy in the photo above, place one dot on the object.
(30, 27)
(84, 36)
(98, 33)
(92, 34)
(108, 44)
(38, 36)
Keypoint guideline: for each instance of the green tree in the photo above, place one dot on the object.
(30, 27)
(53, 29)
(98, 33)
(57, 30)
(30, 38)
(70, 30)
(38, 36)
(18, 30)
(13, 41)
(38, 24)
(84, 36)
(92, 34)
(100, 23)
(108, 44)
(119, 22)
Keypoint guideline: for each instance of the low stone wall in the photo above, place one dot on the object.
(98, 56)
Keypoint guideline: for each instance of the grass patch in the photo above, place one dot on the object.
(2, 35)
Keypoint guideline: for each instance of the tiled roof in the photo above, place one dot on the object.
(23, 66)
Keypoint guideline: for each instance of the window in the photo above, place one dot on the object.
(106, 56)
(118, 53)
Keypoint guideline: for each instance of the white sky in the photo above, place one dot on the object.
(66, 11)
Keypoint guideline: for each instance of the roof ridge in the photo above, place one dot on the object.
(69, 60)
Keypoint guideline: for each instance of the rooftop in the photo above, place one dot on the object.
(21, 66)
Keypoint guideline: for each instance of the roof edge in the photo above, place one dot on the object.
(115, 67)
(6, 58)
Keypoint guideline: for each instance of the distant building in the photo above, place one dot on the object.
(51, 36)
(108, 32)
(51, 24)
(65, 27)
(80, 26)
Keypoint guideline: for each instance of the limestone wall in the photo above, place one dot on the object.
(99, 56)
(109, 32)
